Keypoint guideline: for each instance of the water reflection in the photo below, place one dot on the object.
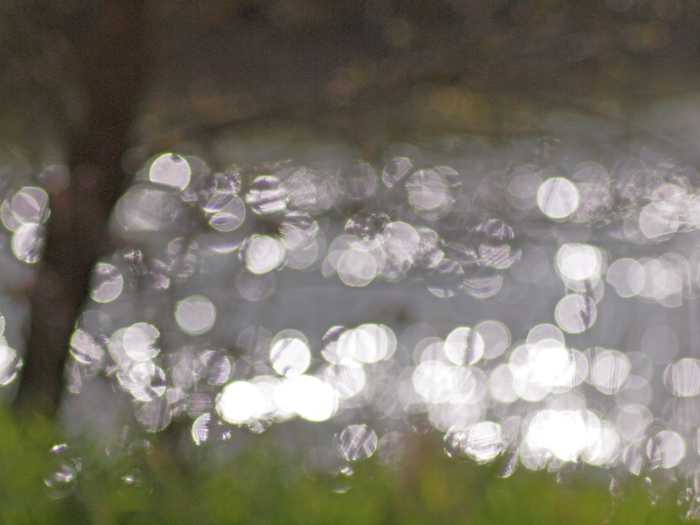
(501, 333)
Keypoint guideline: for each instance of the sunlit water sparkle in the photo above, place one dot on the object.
(517, 305)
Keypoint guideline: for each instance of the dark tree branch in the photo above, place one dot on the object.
(111, 48)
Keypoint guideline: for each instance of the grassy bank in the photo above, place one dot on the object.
(143, 483)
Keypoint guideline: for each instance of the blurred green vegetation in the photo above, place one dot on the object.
(264, 484)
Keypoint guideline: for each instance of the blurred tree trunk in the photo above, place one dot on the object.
(110, 42)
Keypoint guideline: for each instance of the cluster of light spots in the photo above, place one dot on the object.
(664, 280)
(308, 396)
(195, 315)
(267, 195)
(133, 351)
(464, 346)
(521, 234)
(220, 202)
(346, 380)
(658, 221)
(633, 421)
(481, 442)
(295, 394)
(396, 170)
(388, 255)
(495, 336)
(227, 217)
(143, 379)
(440, 383)
(302, 241)
(107, 283)
(391, 250)
(428, 191)
(604, 451)
(245, 402)
(671, 207)
(626, 276)
(562, 434)
(23, 213)
(523, 186)
(609, 371)
(241, 402)
(344, 248)
(368, 343)
(357, 267)
(292, 193)
(298, 244)
(540, 369)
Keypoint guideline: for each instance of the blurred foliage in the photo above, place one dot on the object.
(264, 484)
(368, 72)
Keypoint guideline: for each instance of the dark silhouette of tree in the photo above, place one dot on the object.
(109, 41)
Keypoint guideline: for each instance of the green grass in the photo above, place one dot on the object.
(265, 485)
